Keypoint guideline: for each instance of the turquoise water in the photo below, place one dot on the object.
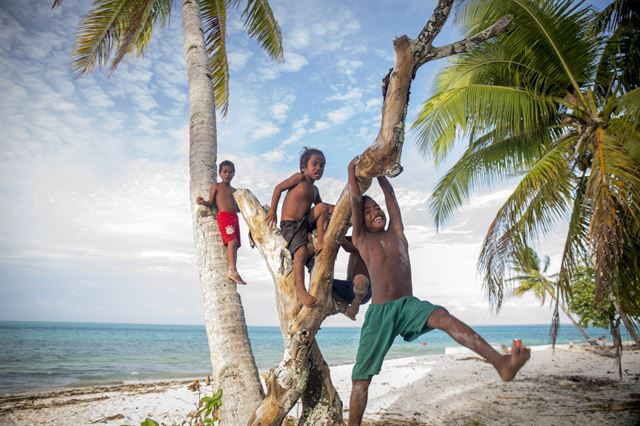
(51, 355)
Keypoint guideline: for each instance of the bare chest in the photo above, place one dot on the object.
(303, 192)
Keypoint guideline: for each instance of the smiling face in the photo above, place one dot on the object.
(226, 174)
(314, 167)
(373, 216)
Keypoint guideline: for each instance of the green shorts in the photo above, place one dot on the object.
(406, 317)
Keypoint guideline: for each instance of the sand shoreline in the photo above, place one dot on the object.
(572, 385)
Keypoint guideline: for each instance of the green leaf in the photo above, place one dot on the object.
(149, 422)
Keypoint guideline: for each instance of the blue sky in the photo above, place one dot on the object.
(95, 215)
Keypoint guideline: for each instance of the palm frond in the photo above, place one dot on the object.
(214, 19)
(610, 17)
(487, 161)
(537, 203)
(98, 35)
(506, 110)
(262, 25)
(554, 31)
(614, 187)
(144, 16)
(116, 26)
(577, 242)
(625, 124)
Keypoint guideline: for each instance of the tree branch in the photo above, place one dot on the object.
(461, 46)
(432, 28)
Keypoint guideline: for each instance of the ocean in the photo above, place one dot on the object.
(57, 355)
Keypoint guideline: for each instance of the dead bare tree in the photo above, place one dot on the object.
(303, 373)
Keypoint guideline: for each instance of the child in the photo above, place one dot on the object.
(298, 218)
(221, 196)
(394, 310)
(355, 290)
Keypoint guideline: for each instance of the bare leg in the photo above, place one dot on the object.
(506, 365)
(299, 258)
(320, 215)
(358, 401)
(232, 259)
(360, 289)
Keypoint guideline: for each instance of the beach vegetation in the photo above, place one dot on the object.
(551, 106)
(582, 301)
(530, 276)
(115, 29)
(207, 407)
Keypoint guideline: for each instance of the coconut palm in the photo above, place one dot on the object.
(530, 274)
(542, 104)
(114, 29)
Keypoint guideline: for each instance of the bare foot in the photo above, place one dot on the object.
(352, 311)
(308, 300)
(235, 276)
(512, 363)
(318, 245)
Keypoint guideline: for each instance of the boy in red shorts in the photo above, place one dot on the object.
(221, 196)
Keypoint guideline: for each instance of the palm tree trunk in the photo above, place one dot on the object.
(573, 321)
(577, 326)
(232, 362)
(631, 329)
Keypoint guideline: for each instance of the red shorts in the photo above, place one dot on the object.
(229, 227)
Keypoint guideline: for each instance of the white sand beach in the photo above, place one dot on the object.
(571, 385)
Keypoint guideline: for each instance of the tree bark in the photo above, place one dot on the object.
(287, 383)
(232, 362)
(307, 376)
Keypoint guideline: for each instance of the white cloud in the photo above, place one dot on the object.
(349, 67)
(374, 103)
(264, 131)
(294, 62)
(340, 115)
(353, 94)
(298, 39)
(273, 155)
(238, 59)
(282, 106)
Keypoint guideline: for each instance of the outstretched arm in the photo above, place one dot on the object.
(285, 185)
(395, 218)
(212, 197)
(356, 204)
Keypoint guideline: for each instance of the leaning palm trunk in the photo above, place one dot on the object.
(631, 329)
(289, 381)
(232, 361)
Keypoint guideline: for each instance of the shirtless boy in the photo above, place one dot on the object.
(355, 290)
(298, 218)
(221, 196)
(394, 310)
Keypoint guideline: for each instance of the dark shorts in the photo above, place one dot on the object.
(296, 234)
(344, 290)
(406, 317)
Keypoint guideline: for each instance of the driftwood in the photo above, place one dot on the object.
(303, 373)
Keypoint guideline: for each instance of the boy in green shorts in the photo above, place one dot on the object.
(394, 310)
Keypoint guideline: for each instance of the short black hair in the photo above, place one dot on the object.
(366, 197)
(307, 153)
(226, 163)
